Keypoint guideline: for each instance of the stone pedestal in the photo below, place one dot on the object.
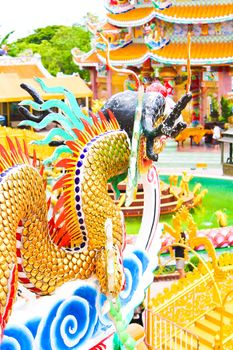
(227, 169)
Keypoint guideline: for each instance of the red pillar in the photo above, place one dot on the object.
(93, 77)
(109, 83)
(224, 81)
(196, 100)
(203, 103)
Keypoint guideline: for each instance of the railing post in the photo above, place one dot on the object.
(149, 323)
(218, 343)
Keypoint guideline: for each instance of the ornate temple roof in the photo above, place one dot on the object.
(174, 14)
(106, 27)
(89, 59)
(132, 18)
(10, 90)
(174, 53)
(207, 49)
(25, 67)
(201, 53)
(197, 14)
(131, 54)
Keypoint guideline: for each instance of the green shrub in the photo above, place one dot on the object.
(165, 270)
(226, 108)
(193, 262)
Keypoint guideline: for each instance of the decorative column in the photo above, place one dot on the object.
(93, 78)
(109, 83)
(224, 81)
(196, 100)
(147, 73)
(203, 103)
(168, 75)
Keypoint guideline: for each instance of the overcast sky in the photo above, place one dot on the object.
(23, 16)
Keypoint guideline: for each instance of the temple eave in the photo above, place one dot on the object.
(165, 60)
(131, 22)
(183, 15)
(194, 20)
(193, 62)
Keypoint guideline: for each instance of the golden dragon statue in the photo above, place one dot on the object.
(44, 252)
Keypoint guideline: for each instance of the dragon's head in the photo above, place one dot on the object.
(166, 123)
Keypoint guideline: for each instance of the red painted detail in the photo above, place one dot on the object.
(88, 128)
(113, 119)
(12, 147)
(11, 296)
(61, 182)
(102, 118)
(34, 158)
(72, 145)
(24, 280)
(18, 236)
(79, 135)
(20, 268)
(60, 220)
(95, 119)
(1, 327)
(101, 344)
(59, 204)
(26, 151)
(19, 148)
(65, 163)
(5, 155)
(35, 290)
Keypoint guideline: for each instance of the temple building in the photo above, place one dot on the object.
(15, 71)
(151, 36)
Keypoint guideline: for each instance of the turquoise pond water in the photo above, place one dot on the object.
(219, 197)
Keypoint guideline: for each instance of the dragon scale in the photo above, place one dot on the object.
(29, 252)
(108, 156)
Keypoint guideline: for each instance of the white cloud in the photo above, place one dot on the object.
(23, 16)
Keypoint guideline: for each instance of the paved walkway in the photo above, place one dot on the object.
(197, 159)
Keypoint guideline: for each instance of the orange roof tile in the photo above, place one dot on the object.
(10, 90)
(139, 15)
(109, 27)
(89, 59)
(200, 52)
(24, 70)
(173, 53)
(178, 14)
(134, 53)
(197, 11)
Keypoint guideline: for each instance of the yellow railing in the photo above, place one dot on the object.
(225, 343)
(167, 335)
(184, 307)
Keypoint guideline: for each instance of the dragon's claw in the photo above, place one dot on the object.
(178, 108)
(178, 128)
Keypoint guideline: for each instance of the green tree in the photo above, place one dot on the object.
(54, 44)
(215, 108)
(226, 108)
(40, 34)
(4, 40)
